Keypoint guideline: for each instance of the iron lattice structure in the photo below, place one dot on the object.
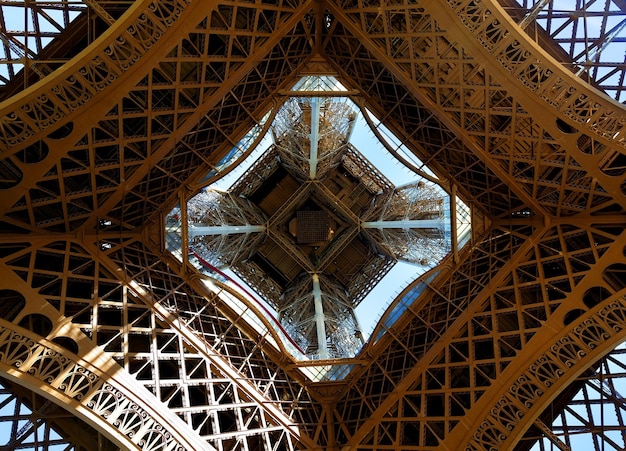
(341, 328)
(415, 217)
(223, 228)
(295, 226)
(494, 349)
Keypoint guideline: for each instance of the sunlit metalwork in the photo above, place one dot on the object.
(586, 36)
(298, 228)
(115, 113)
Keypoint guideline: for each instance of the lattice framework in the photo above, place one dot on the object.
(98, 150)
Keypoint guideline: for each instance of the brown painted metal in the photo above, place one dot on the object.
(96, 313)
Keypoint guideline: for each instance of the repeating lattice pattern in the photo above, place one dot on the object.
(589, 37)
(140, 340)
(502, 337)
(172, 98)
(26, 423)
(39, 37)
(494, 125)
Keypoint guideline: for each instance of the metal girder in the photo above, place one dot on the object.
(476, 361)
(409, 83)
(412, 374)
(210, 102)
(577, 35)
(38, 422)
(55, 361)
(549, 347)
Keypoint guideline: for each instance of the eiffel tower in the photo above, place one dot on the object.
(141, 308)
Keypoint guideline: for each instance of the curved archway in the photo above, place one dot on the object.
(116, 408)
(37, 323)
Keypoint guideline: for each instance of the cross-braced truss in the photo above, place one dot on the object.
(38, 37)
(511, 342)
(29, 421)
(588, 415)
(586, 36)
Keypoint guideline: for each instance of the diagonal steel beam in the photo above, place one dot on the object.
(405, 79)
(423, 364)
(261, 52)
(273, 411)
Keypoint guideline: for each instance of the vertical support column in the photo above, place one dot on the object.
(312, 134)
(410, 223)
(453, 227)
(322, 346)
(222, 227)
(315, 131)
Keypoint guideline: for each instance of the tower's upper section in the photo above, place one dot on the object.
(312, 226)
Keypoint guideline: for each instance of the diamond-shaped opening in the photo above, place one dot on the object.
(314, 227)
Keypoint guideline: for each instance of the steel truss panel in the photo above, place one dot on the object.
(97, 315)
